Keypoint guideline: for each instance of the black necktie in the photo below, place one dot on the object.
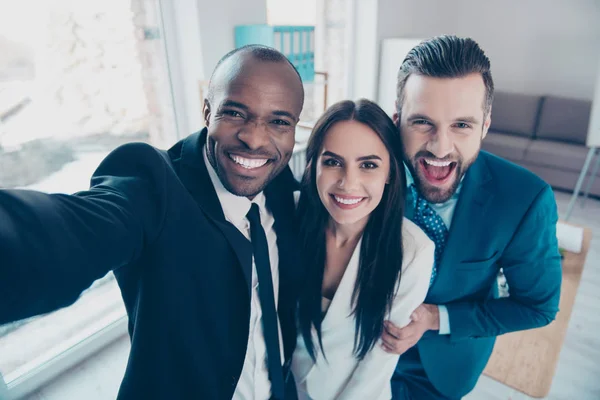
(267, 301)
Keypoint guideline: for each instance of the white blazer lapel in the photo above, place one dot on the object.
(341, 304)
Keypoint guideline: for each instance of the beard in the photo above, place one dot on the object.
(434, 194)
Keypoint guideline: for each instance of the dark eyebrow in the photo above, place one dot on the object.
(231, 103)
(363, 158)
(282, 113)
(370, 157)
(417, 116)
(471, 120)
(332, 154)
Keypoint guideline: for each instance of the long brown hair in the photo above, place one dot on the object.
(381, 249)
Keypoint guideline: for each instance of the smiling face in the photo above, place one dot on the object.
(442, 124)
(251, 119)
(352, 170)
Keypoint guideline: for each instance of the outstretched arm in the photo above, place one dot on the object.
(53, 246)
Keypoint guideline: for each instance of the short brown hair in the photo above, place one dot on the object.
(446, 57)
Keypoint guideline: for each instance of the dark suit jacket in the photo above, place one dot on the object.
(154, 218)
(505, 217)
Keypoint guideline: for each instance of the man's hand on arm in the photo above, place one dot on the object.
(398, 340)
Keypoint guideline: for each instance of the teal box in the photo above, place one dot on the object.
(296, 42)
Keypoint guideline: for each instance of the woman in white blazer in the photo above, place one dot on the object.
(365, 262)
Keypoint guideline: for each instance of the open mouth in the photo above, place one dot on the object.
(347, 202)
(437, 172)
(248, 163)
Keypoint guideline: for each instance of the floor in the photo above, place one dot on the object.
(577, 376)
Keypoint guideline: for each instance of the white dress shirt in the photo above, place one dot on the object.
(339, 375)
(254, 381)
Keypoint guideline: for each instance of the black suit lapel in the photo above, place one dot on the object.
(280, 201)
(195, 178)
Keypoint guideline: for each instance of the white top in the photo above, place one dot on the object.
(254, 381)
(342, 376)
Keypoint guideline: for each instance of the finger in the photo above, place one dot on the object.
(392, 329)
(398, 346)
(388, 338)
(417, 314)
(387, 349)
(390, 342)
(393, 350)
(408, 331)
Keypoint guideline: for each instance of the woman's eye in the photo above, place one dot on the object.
(369, 165)
(331, 162)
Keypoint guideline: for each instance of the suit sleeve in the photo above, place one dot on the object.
(53, 246)
(414, 284)
(532, 266)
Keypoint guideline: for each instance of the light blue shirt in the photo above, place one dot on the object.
(445, 211)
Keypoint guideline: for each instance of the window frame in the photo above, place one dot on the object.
(28, 379)
(21, 384)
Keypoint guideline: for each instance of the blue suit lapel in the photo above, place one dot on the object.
(470, 214)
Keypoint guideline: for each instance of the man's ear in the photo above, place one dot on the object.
(206, 112)
(396, 115)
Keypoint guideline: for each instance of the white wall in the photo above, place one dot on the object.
(292, 12)
(198, 33)
(593, 137)
(364, 53)
(535, 46)
(217, 19)
(393, 52)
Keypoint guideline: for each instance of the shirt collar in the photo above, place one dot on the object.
(234, 207)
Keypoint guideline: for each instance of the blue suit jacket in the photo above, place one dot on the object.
(184, 271)
(505, 217)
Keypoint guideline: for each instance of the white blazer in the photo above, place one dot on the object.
(341, 375)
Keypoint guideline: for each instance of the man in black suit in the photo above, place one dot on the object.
(200, 239)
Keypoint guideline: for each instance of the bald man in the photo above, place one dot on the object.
(191, 234)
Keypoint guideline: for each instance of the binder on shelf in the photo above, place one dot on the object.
(296, 42)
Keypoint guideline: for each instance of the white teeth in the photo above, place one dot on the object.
(438, 163)
(248, 163)
(347, 201)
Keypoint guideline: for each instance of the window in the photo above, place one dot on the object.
(77, 79)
